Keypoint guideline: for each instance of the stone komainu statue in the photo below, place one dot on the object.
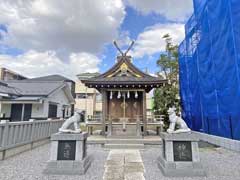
(75, 120)
(176, 121)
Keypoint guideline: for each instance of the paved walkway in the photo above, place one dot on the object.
(124, 165)
(219, 163)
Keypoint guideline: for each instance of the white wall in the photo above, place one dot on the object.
(6, 108)
(61, 99)
(38, 111)
(41, 110)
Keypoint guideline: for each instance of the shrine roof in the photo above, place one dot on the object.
(124, 73)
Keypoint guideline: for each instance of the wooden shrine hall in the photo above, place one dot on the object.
(123, 89)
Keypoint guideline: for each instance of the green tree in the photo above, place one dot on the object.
(168, 95)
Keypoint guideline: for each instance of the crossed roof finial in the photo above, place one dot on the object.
(125, 53)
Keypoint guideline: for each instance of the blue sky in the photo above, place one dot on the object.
(51, 37)
(135, 23)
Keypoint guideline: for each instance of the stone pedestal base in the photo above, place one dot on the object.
(68, 154)
(68, 167)
(124, 129)
(180, 155)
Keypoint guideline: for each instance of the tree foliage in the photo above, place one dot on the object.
(168, 95)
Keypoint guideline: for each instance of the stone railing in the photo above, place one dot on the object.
(16, 137)
(219, 141)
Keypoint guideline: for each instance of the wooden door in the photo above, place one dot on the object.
(52, 111)
(27, 112)
(16, 112)
(133, 107)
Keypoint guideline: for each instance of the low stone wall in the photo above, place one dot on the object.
(219, 141)
(16, 137)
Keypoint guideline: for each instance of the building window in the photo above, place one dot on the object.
(81, 96)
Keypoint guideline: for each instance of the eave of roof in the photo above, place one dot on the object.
(27, 98)
(23, 99)
(104, 79)
(126, 81)
(148, 86)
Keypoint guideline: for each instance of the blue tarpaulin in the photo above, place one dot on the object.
(209, 62)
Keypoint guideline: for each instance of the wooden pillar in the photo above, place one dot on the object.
(138, 124)
(104, 110)
(109, 126)
(144, 114)
(94, 102)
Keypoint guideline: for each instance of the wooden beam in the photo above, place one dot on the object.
(104, 110)
(144, 114)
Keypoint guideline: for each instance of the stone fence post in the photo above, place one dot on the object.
(5, 133)
(50, 128)
(33, 129)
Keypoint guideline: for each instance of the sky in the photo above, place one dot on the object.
(44, 37)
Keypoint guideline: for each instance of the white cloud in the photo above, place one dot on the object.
(151, 40)
(33, 64)
(62, 37)
(61, 26)
(58, 36)
(171, 9)
(123, 39)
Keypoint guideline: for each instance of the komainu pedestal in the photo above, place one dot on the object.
(180, 155)
(68, 154)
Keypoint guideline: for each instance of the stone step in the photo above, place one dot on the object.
(148, 140)
(124, 137)
(125, 141)
(124, 146)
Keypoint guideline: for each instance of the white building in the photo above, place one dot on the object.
(21, 100)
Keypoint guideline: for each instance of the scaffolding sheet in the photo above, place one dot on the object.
(209, 62)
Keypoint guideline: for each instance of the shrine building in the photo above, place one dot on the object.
(123, 88)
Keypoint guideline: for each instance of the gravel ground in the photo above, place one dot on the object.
(29, 165)
(219, 163)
